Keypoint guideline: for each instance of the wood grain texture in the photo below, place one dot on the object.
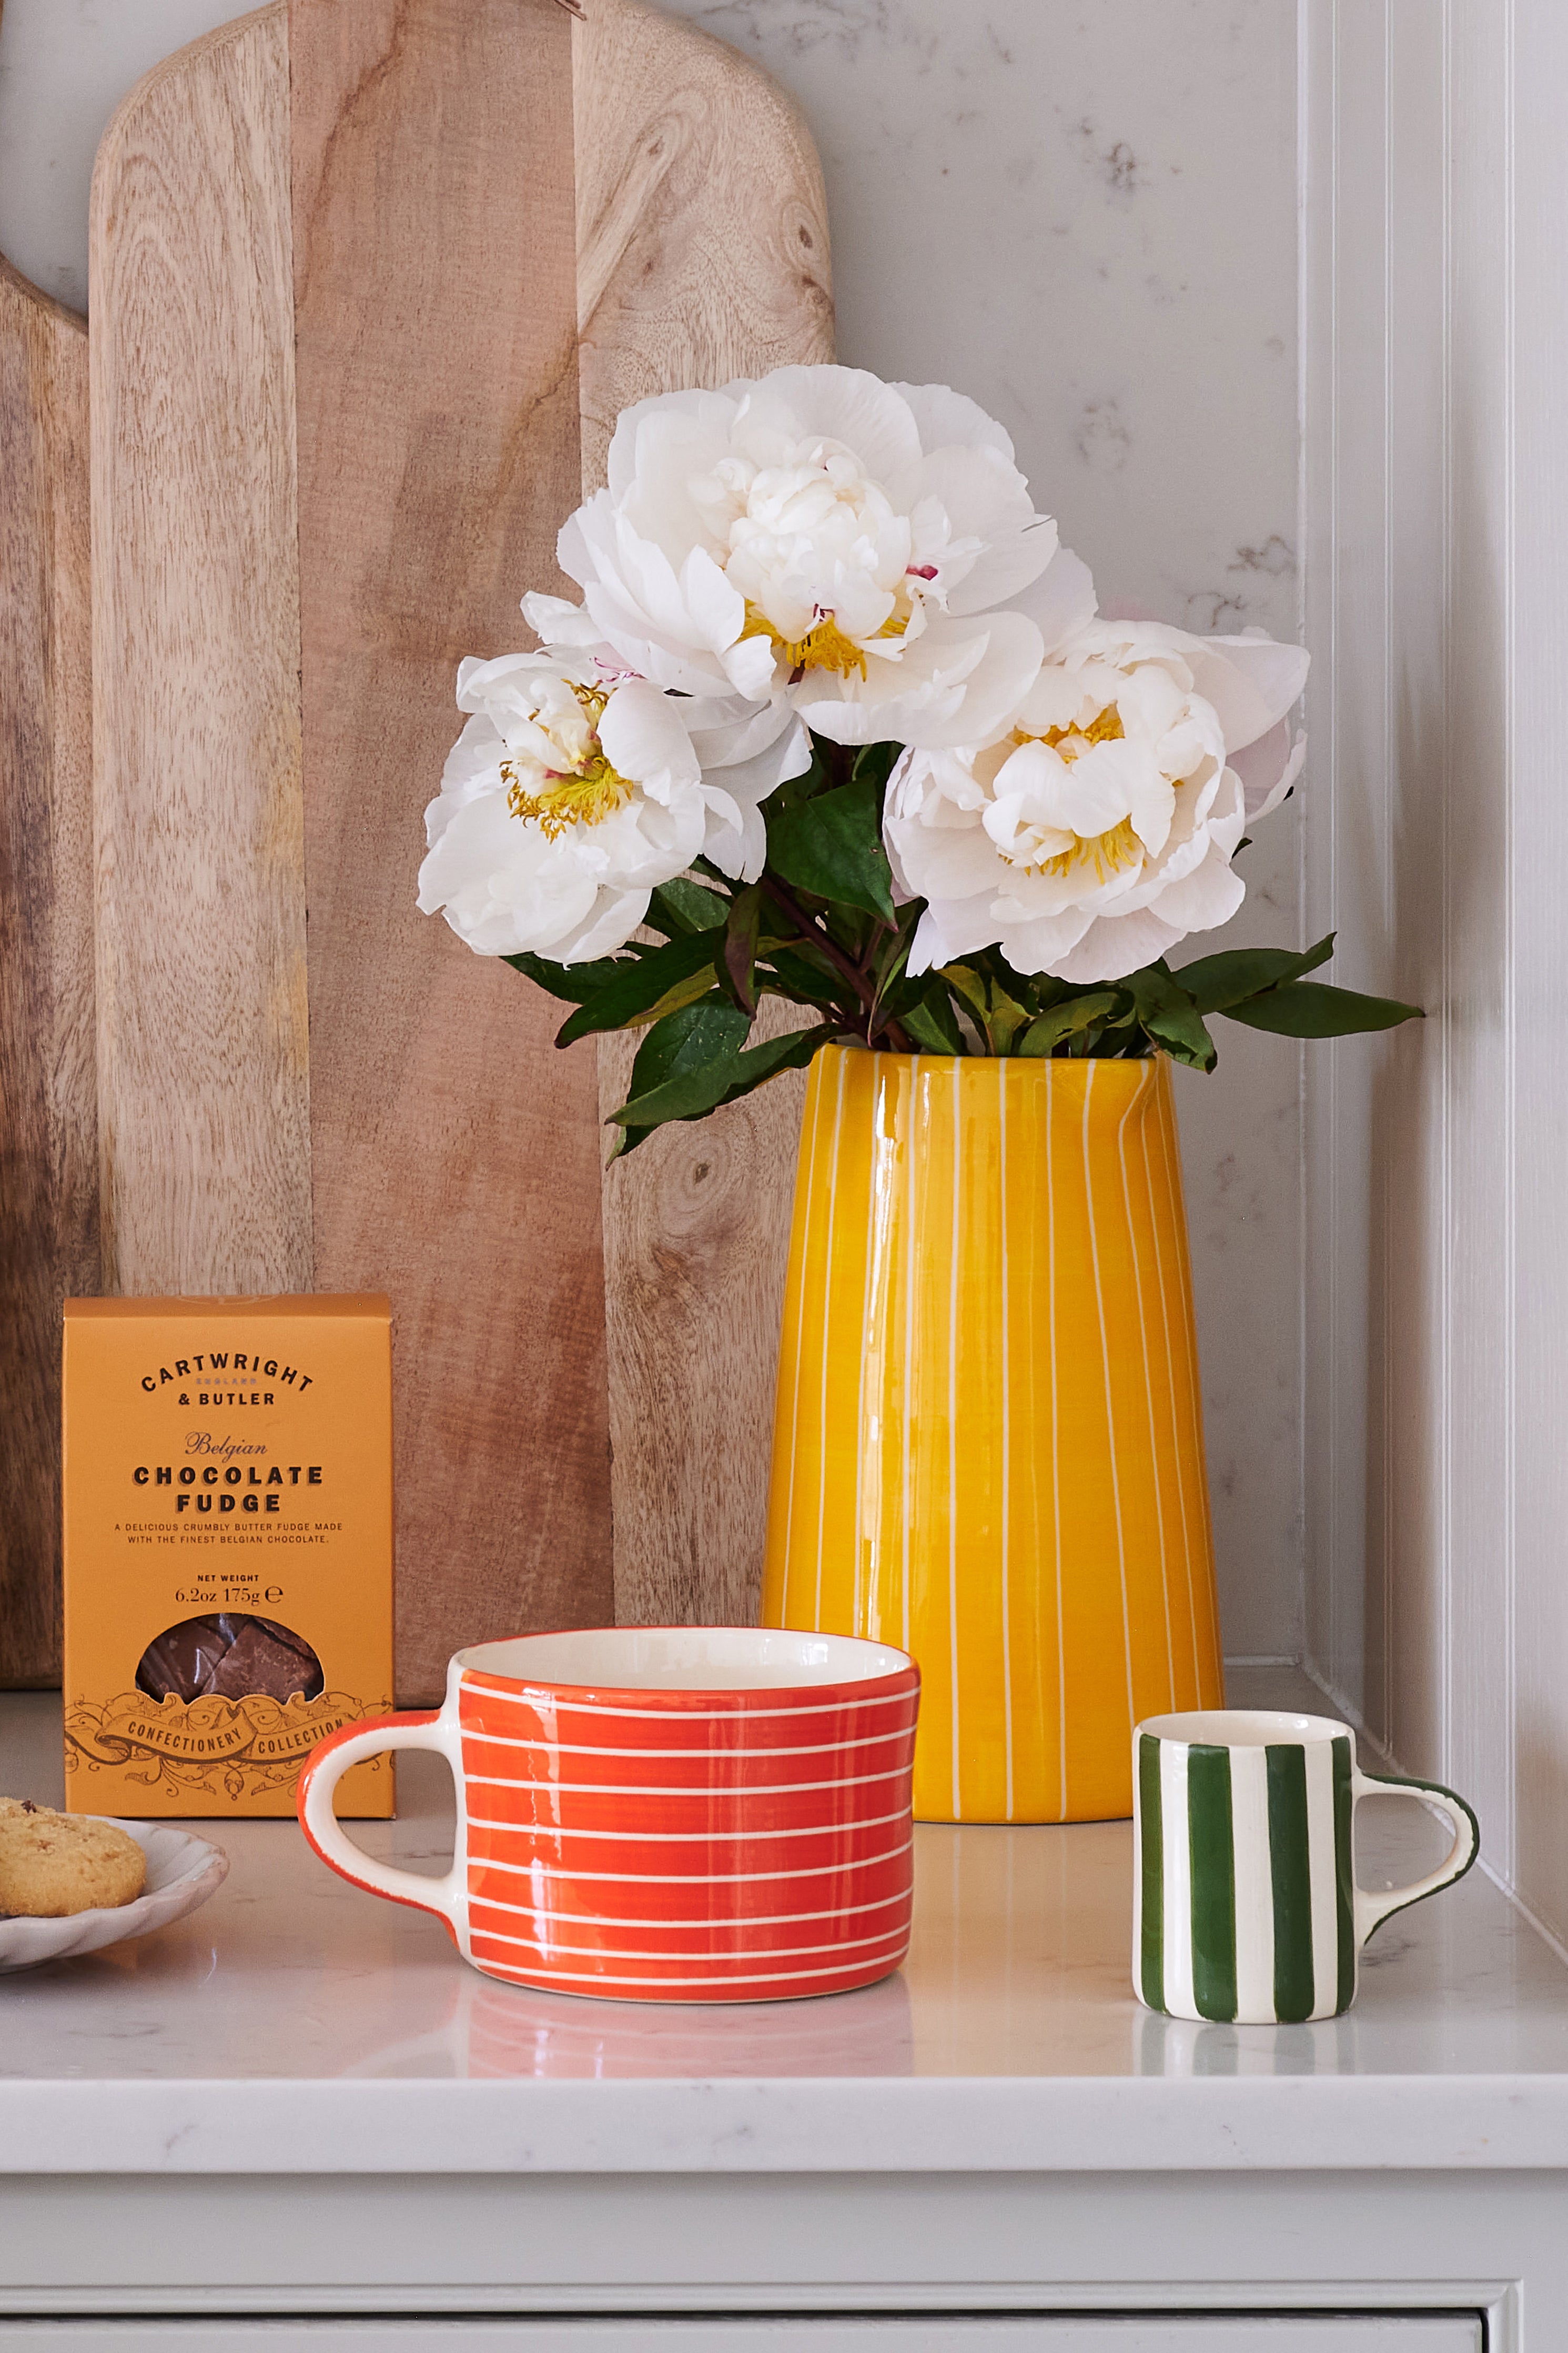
(701, 219)
(696, 1248)
(455, 1153)
(702, 255)
(204, 1085)
(49, 1112)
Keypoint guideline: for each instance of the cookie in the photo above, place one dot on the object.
(52, 1865)
(9, 1805)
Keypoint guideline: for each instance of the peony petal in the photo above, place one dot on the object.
(712, 411)
(544, 898)
(837, 403)
(732, 729)
(615, 916)
(958, 685)
(736, 837)
(1114, 946)
(644, 738)
(950, 928)
(1035, 946)
(749, 781)
(1203, 899)
(948, 419)
(473, 766)
(985, 499)
(1267, 769)
(937, 863)
(557, 624)
(1061, 602)
(718, 612)
(1252, 682)
(675, 450)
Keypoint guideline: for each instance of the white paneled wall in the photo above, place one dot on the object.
(1435, 326)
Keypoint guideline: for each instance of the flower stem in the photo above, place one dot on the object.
(842, 961)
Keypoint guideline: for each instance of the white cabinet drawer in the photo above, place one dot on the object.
(1153, 2333)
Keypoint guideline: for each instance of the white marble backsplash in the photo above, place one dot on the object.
(1084, 216)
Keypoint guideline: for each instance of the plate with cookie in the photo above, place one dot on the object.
(72, 1883)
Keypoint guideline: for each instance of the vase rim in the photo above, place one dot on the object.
(990, 1061)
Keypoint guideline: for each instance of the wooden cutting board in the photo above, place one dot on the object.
(48, 1146)
(350, 373)
(701, 256)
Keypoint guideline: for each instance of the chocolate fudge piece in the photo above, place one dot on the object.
(284, 1634)
(231, 1656)
(256, 1661)
(178, 1663)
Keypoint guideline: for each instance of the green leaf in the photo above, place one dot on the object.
(693, 1093)
(686, 1039)
(970, 986)
(1310, 1008)
(1216, 983)
(637, 988)
(1004, 1020)
(932, 1022)
(833, 846)
(574, 982)
(1067, 1020)
(683, 906)
(874, 764)
(1170, 1016)
(891, 976)
(683, 1040)
(740, 954)
(803, 979)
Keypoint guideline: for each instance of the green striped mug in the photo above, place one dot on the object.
(1245, 1898)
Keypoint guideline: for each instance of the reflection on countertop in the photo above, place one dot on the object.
(1018, 1969)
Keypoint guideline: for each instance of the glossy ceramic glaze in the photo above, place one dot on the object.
(988, 1441)
(1245, 1901)
(663, 1813)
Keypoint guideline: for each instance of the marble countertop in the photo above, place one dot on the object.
(295, 2022)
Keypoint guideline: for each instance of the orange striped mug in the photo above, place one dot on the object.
(661, 1814)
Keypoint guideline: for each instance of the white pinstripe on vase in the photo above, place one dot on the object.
(957, 1252)
(1003, 1067)
(1090, 1069)
(1170, 1409)
(1139, 1103)
(826, 1345)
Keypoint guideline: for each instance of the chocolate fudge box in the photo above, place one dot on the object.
(228, 1549)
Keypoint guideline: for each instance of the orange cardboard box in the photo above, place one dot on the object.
(228, 1549)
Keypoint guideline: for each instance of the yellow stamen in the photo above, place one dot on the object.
(585, 795)
(1107, 854)
(823, 646)
(1071, 741)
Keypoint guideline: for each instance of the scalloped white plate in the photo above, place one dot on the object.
(181, 1872)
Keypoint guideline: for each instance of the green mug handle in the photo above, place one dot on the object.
(1371, 1911)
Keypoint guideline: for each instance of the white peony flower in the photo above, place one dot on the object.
(570, 794)
(1100, 832)
(818, 535)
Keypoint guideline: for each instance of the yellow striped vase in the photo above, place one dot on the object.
(988, 1440)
